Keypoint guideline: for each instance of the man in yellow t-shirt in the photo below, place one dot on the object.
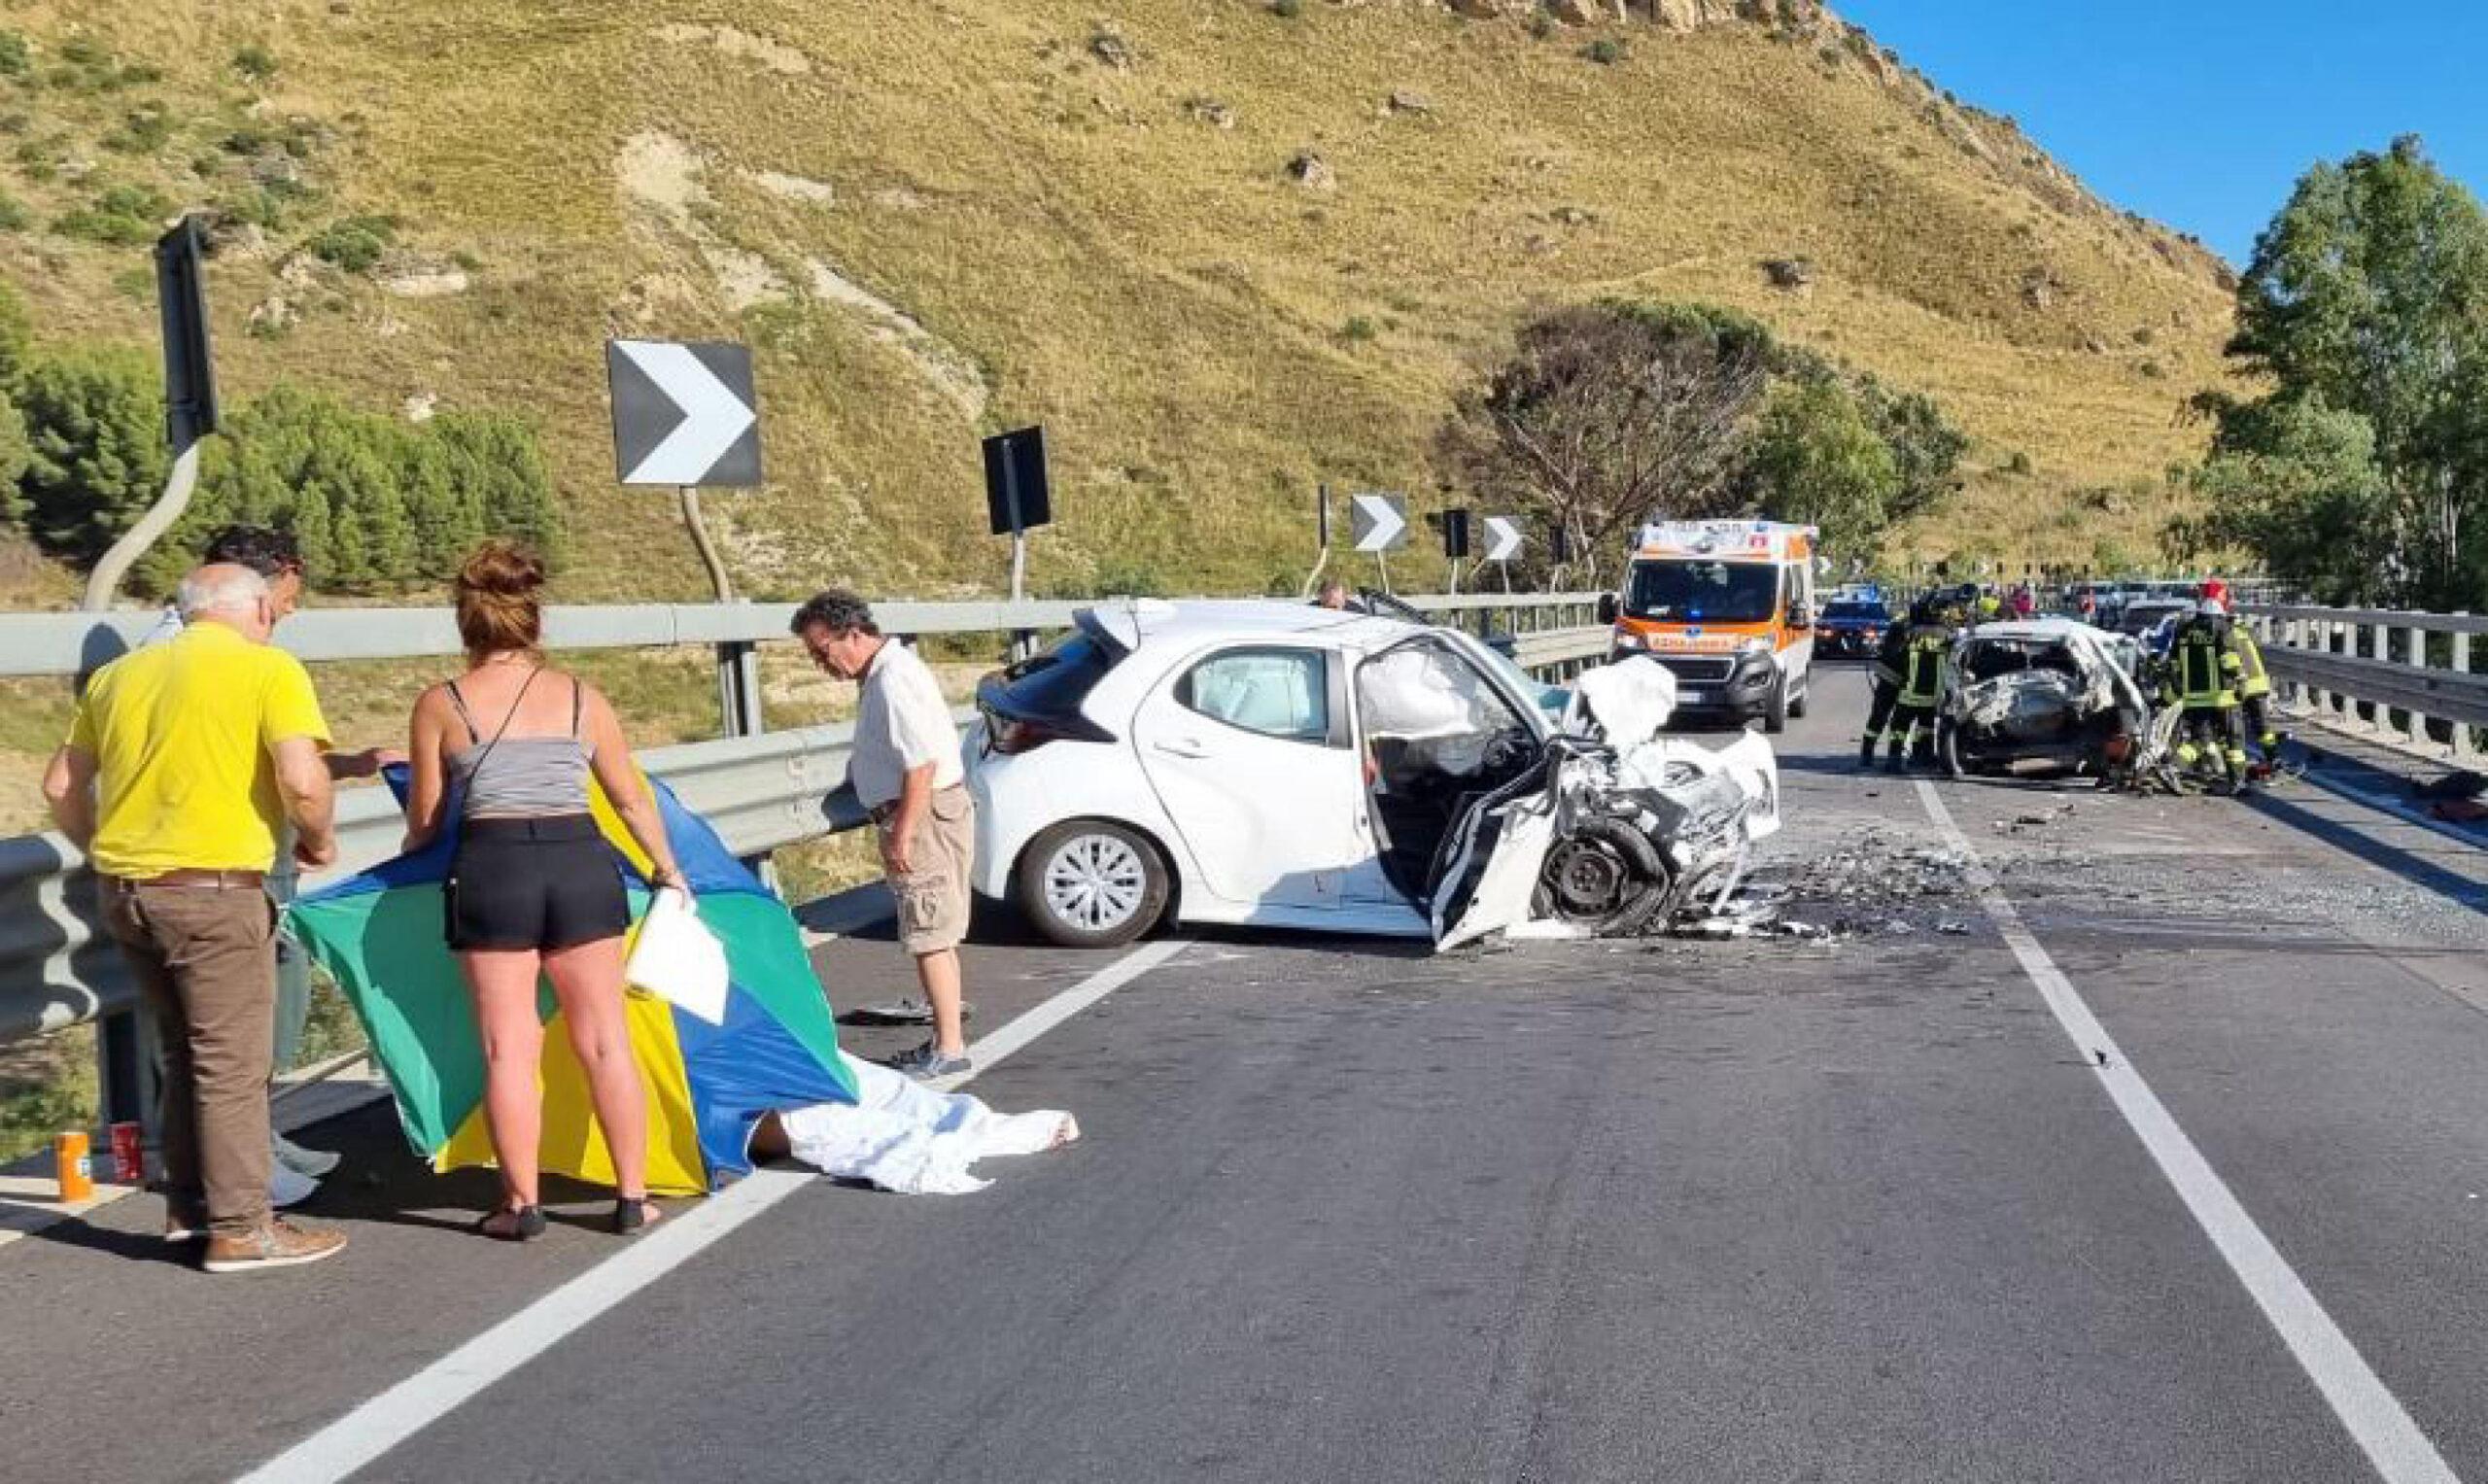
(183, 763)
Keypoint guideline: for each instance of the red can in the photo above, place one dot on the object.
(129, 1154)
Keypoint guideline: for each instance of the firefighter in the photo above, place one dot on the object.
(2254, 681)
(2200, 677)
(1926, 662)
(1888, 659)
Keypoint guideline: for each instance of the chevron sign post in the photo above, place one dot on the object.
(683, 414)
(686, 416)
(1378, 523)
(1502, 538)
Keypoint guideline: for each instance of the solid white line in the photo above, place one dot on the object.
(986, 1055)
(423, 1399)
(2393, 1442)
(398, 1413)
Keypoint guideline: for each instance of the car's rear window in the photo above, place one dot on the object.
(1857, 610)
(1054, 681)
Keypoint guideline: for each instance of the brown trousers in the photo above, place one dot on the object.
(205, 961)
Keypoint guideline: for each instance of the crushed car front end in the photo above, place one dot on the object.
(1614, 831)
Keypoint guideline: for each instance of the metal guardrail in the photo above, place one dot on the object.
(1563, 652)
(62, 645)
(73, 644)
(762, 791)
(2382, 669)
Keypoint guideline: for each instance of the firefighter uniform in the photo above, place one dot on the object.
(1888, 659)
(2202, 678)
(1925, 660)
(2254, 691)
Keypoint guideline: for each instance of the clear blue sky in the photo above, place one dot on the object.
(2202, 112)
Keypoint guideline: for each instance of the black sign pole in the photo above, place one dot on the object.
(1019, 532)
(189, 404)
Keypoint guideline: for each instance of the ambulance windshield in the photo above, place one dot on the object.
(1694, 591)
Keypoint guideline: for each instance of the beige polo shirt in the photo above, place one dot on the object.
(901, 724)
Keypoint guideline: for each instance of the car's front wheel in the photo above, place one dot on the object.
(1091, 884)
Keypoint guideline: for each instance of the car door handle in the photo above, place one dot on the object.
(1181, 746)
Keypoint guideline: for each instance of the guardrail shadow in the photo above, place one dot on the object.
(57, 948)
(2400, 861)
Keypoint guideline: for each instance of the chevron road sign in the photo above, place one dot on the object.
(1379, 522)
(683, 415)
(1502, 538)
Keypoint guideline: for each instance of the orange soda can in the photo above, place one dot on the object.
(70, 1163)
(129, 1154)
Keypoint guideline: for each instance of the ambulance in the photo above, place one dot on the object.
(1729, 606)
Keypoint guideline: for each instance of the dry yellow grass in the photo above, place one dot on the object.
(1089, 252)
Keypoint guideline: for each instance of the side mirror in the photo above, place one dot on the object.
(1800, 616)
(1606, 607)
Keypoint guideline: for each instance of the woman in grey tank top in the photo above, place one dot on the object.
(534, 889)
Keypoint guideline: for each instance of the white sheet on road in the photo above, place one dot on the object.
(901, 1135)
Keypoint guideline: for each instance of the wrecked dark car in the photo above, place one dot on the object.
(2043, 698)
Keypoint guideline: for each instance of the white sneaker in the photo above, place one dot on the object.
(290, 1186)
(314, 1163)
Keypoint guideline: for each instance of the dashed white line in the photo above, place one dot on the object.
(423, 1399)
(2375, 1419)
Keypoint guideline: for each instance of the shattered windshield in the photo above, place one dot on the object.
(1718, 592)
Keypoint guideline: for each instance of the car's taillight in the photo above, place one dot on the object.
(1013, 735)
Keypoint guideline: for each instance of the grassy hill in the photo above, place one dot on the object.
(940, 219)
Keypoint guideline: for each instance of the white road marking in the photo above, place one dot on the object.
(986, 1055)
(423, 1399)
(2375, 1419)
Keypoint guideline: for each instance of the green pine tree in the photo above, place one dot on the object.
(95, 420)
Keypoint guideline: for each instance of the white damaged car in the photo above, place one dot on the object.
(1276, 765)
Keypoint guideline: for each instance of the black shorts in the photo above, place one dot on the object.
(534, 883)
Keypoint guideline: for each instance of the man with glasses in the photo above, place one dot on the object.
(905, 765)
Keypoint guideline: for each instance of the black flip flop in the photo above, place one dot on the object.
(528, 1223)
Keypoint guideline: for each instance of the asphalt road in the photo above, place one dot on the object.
(1778, 1209)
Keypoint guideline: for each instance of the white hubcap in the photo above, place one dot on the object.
(1094, 882)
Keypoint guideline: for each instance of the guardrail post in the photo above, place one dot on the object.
(2414, 725)
(2294, 636)
(2339, 638)
(2461, 661)
(739, 710)
(739, 714)
(2379, 639)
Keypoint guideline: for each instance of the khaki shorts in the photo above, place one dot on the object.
(933, 898)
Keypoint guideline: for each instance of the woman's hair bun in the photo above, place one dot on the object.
(503, 568)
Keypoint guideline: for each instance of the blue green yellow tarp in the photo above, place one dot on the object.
(379, 934)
